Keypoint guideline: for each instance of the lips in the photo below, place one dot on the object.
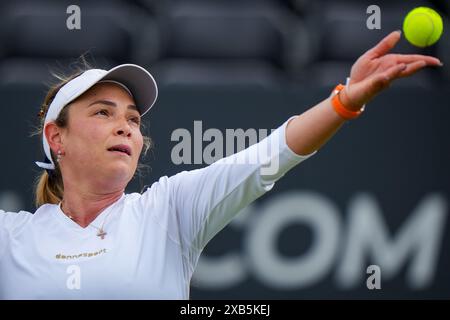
(121, 148)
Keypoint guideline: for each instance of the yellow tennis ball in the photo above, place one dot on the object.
(423, 27)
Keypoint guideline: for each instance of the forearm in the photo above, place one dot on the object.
(313, 128)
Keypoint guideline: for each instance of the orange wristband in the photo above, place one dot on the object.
(340, 109)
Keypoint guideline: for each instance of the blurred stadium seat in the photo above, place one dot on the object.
(35, 38)
(202, 42)
(226, 42)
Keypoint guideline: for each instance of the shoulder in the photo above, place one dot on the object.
(158, 195)
(14, 220)
(161, 188)
(168, 186)
(150, 193)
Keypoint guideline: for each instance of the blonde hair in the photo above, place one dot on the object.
(50, 188)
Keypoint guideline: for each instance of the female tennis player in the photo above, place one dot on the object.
(90, 240)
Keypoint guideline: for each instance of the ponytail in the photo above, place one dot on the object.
(48, 190)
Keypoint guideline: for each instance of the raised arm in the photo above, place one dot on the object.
(373, 72)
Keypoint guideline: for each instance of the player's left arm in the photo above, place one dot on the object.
(372, 73)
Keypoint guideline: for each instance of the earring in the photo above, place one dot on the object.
(58, 157)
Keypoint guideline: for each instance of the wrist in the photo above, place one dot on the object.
(341, 102)
(347, 102)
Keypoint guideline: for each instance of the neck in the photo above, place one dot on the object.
(84, 208)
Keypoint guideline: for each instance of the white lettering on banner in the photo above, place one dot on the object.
(348, 246)
(310, 209)
(418, 241)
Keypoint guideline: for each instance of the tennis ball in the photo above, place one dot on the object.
(422, 27)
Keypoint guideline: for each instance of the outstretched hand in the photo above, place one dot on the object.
(375, 70)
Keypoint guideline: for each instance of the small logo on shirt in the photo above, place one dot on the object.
(61, 256)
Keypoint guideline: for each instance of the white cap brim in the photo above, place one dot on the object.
(139, 81)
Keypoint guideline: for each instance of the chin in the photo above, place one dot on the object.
(120, 169)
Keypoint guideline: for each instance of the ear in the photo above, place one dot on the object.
(53, 134)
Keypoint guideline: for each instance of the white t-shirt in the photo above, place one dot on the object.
(153, 239)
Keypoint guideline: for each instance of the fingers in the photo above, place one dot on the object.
(363, 91)
(410, 58)
(382, 80)
(394, 71)
(398, 71)
(385, 45)
(412, 68)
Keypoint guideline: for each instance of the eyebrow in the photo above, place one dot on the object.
(112, 104)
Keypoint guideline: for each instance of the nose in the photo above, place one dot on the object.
(123, 128)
